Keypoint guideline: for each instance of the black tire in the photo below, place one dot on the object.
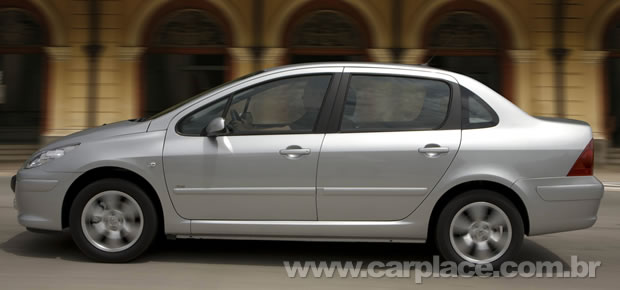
(442, 231)
(150, 222)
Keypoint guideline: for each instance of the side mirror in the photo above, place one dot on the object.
(215, 128)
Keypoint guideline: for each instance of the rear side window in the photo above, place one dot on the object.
(391, 103)
(476, 113)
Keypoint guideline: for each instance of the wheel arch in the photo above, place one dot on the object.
(100, 173)
(478, 184)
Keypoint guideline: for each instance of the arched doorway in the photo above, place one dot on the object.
(612, 44)
(22, 75)
(319, 34)
(186, 54)
(470, 42)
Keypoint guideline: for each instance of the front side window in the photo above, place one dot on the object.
(391, 103)
(195, 122)
(288, 105)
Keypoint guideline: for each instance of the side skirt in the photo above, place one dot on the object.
(378, 231)
(297, 239)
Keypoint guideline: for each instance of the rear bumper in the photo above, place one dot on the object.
(560, 204)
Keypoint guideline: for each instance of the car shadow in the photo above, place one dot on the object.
(264, 253)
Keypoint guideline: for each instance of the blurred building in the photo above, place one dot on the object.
(66, 65)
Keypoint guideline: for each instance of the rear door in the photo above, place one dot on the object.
(393, 134)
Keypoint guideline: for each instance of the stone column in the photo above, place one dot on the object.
(242, 61)
(380, 55)
(522, 83)
(594, 99)
(129, 58)
(413, 56)
(56, 93)
(273, 56)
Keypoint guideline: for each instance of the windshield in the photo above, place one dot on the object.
(170, 109)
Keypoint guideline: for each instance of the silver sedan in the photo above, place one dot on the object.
(332, 151)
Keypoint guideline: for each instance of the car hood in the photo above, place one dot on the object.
(101, 132)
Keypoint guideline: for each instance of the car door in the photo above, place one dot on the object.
(392, 136)
(264, 167)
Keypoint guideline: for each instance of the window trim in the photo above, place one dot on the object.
(452, 120)
(319, 127)
(465, 125)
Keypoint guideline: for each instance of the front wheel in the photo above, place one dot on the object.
(480, 227)
(113, 220)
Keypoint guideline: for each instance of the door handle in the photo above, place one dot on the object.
(301, 151)
(433, 150)
(294, 152)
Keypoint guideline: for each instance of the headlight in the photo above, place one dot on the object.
(48, 155)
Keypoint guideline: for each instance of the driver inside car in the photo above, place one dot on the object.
(312, 98)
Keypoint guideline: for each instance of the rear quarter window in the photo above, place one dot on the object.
(475, 112)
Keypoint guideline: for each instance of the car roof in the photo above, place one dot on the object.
(418, 67)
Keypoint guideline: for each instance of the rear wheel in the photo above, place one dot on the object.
(113, 220)
(480, 227)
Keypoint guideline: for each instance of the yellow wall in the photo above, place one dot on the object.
(123, 24)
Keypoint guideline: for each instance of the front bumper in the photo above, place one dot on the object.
(560, 204)
(39, 196)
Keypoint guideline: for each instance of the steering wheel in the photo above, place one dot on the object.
(235, 115)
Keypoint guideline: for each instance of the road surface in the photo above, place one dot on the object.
(36, 261)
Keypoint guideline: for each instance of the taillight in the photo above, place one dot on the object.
(584, 166)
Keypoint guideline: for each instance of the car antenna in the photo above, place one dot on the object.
(428, 62)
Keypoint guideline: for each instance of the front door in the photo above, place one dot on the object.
(391, 148)
(264, 168)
